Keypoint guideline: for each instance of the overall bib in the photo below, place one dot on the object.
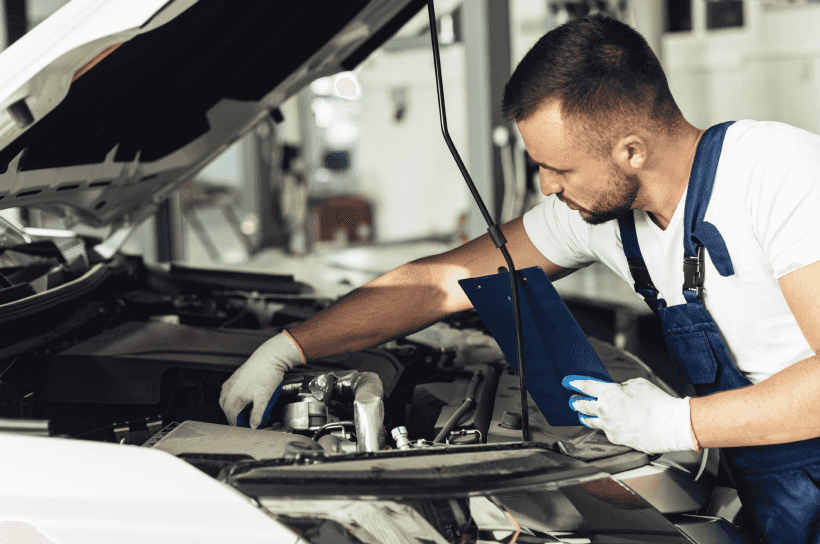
(777, 484)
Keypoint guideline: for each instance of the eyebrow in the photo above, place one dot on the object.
(547, 167)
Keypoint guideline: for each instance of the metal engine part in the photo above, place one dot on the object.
(133, 375)
(368, 406)
(335, 445)
(434, 404)
(209, 438)
(31, 427)
(305, 415)
(369, 417)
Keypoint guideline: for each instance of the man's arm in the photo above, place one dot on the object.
(414, 295)
(783, 408)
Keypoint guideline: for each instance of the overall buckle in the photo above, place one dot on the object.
(693, 272)
(643, 281)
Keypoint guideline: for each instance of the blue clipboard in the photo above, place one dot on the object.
(554, 345)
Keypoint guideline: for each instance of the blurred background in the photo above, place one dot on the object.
(354, 178)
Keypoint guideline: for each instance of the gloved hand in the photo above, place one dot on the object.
(635, 413)
(258, 382)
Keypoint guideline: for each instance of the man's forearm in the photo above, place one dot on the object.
(403, 300)
(781, 409)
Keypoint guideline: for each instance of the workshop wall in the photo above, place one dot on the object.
(406, 168)
(765, 70)
(39, 10)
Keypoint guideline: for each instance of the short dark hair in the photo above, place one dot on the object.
(601, 71)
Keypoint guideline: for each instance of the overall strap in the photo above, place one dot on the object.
(637, 266)
(697, 233)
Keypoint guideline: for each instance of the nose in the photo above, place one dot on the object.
(549, 185)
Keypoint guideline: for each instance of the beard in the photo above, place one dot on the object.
(617, 202)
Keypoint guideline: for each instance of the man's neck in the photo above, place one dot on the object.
(664, 186)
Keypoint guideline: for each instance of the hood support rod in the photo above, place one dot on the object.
(495, 231)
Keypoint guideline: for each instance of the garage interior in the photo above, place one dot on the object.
(349, 179)
(353, 179)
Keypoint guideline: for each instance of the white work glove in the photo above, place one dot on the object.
(258, 382)
(635, 413)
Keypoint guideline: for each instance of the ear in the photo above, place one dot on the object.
(631, 153)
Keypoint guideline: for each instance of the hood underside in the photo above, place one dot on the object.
(162, 93)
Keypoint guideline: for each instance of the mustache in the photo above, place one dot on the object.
(564, 200)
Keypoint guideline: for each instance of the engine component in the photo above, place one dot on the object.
(575, 441)
(506, 401)
(369, 417)
(125, 365)
(399, 434)
(335, 445)
(30, 427)
(433, 404)
(468, 404)
(296, 449)
(209, 438)
(470, 344)
(368, 406)
(423, 443)
(232, 279)
(305, 415)
(136, 432)
(333, 427)
(463, 436)
(511, 420)
(725, 503)
(329, 390)
(673, 490)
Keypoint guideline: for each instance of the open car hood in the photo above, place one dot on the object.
(108, 105)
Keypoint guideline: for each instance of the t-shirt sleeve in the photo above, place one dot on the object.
(560, 234)
(784, 202)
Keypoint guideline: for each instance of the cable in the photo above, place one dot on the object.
(495, 231)
(330, 427)
(11, 364)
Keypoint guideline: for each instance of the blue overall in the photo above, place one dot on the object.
(777, 484)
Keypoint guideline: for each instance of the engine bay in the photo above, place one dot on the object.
(133, 354)
(148, 348)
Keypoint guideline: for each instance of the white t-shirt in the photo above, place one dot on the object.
(765, 203)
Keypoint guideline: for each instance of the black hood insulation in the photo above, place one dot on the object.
(151, 94)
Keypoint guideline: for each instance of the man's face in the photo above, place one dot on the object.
(594, 186)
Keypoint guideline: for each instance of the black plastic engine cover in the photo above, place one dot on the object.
(621, 366)
(125, 365)
(435, 403)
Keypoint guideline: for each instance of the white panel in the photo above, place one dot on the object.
(228, 167)
(765, 71)
(77, 491)
(406, 167)
(39, 10)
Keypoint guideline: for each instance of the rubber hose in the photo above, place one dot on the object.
(469, 403)
(453, 421)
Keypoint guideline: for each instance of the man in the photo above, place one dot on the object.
(641, 188)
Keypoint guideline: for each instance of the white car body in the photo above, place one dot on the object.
(80, 492)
